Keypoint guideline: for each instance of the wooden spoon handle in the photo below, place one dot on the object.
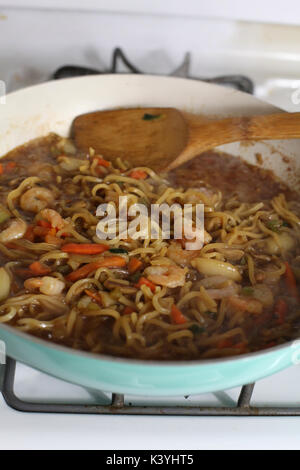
(205, 134)
(262, 127)
(272, 126)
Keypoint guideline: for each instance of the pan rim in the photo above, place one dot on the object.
(128, 360)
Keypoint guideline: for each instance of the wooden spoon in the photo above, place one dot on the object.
(164, 138)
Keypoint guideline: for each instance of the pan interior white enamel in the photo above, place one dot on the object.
(51, 107)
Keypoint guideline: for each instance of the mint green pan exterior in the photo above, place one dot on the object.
(51, 107)
(146, 378)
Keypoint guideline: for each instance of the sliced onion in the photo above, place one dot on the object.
(214, 267)
(232, 254)
(107, 300)
(222, 293)
(5, 283)
(213, 281)
(70, 163)
(285, 243)
(264, 294)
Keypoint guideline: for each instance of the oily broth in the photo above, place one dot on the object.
(229, 175)
(232, 176)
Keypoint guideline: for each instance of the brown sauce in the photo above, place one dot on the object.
(231, 175)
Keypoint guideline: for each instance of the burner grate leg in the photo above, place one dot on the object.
(245, 396)
(118, 407)
(239, 82)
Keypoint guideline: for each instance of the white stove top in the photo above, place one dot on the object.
(56, 431)
(33, 43)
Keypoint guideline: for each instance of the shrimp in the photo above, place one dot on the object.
(16, 229)
(245, 305)
(36, 199)
(197, 233)
(45, 171)
(169, 276)
(180, 256)
(201, 194)
(47, 285)
(53, 217)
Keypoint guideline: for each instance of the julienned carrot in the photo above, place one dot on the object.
(29, 234)
(280, 311)
(41, 231)
(109, 262)
(53, 240)
(10, 166)
(112, 262)
(134, 265)
(24, 273)
(82, 272)
(39, 269)
(14, 246)
(291, 281)
(144, 281)
(138, 174)
(102, 162)
(85, 248)
(7, 167)
(225, 343)
(177, 315)
(128, 310)
(94, 295)
(241, 345)
(44, 223)
(182, 242)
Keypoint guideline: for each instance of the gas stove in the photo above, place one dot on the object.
(118, 404)
(59, 44)
(60, 415)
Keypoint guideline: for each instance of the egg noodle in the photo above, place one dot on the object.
(142, 298)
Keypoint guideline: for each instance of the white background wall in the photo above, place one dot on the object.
(274, 11)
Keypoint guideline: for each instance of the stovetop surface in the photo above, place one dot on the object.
(56, 431)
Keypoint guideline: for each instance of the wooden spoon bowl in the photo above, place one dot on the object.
(165, 138)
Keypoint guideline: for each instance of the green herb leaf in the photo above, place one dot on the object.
(134, 278)
(118, 250)
(151, 117)
(196, 329)
(274, 225)
(248, 291)
(64, 269)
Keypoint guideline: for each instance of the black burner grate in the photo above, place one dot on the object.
(238, 82)
(118, 406)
